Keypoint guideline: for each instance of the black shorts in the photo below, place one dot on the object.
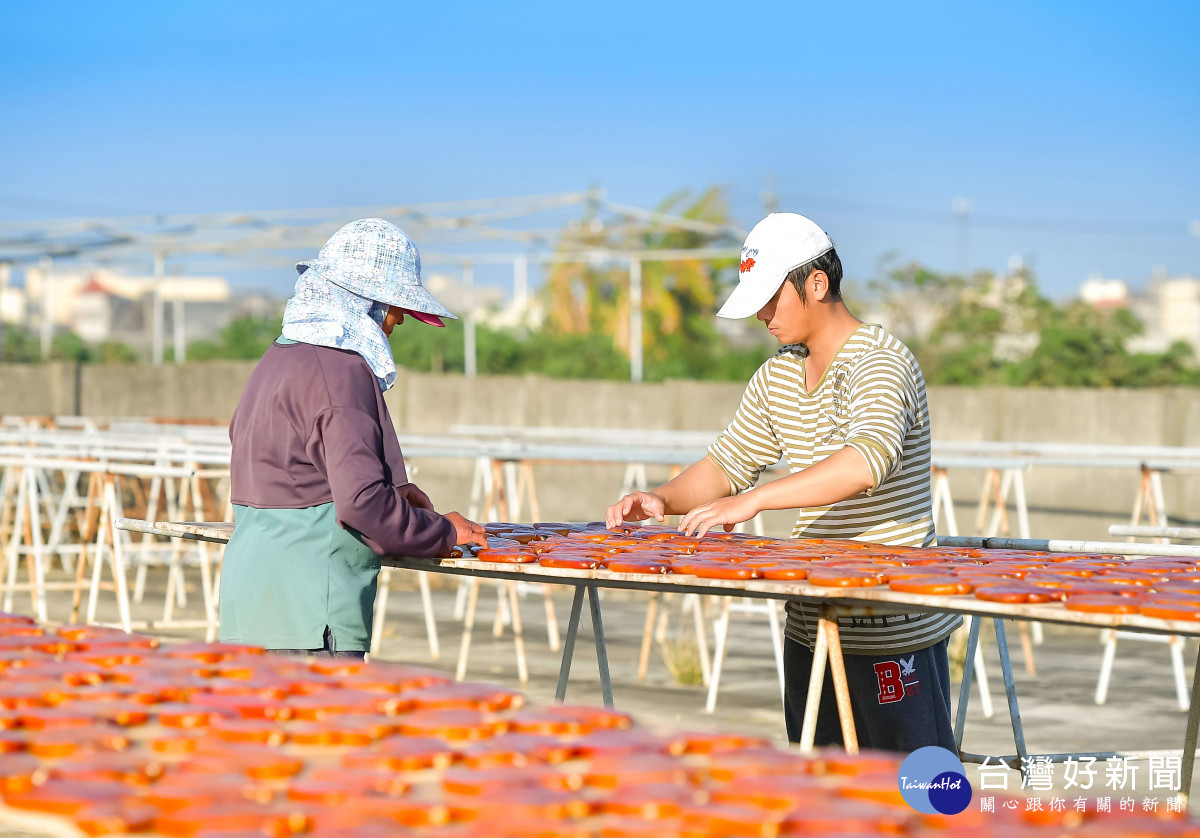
(901, 702)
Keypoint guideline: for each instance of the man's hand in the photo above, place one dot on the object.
(466, 532)
(635, 507)
(699, 483)
(416, 497)
(726, 512)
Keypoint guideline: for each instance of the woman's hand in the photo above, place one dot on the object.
(466, 532)
(637, 506)
(726, 512)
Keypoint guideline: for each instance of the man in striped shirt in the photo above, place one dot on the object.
(843, 403)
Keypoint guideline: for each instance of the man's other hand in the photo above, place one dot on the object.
(637, 506)
(725, 512)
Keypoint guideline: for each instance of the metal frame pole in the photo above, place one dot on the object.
(601, 649)
(1189, 738)
(564, 669)
(1055, 545)
(1154, 532)
(964, 690)
(1010, 690)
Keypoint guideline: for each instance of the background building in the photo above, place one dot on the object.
(101, 305)
(1169, 308)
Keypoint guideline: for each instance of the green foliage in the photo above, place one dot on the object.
(429, 349)
(678, 297)
(587, 331)
(965, 330)
(111, 352)
(575, 356)
(244, 339)
(20, 346)
(1086, 349)
(710, 358)
(68, 346)
(1070, 345)
(514, 352)
(521, 352)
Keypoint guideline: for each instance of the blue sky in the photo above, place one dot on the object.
(1072, 128)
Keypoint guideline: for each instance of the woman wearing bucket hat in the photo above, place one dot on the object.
(318, 480)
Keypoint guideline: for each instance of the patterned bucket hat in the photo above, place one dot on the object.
(374, 259)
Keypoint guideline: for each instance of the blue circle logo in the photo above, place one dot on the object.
(933, 781)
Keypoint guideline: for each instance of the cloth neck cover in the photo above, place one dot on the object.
(325, 314)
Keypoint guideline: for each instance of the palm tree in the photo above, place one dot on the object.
(678, 297)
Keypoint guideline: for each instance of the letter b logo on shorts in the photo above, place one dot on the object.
(891, 688)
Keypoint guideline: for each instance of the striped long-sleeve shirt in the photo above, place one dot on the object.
(871, 398)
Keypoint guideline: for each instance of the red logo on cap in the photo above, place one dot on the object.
(746, 265)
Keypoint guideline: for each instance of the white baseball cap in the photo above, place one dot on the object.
(780, 243)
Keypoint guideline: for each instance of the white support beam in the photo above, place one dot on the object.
(635, 321)
(156, 317)
(47, 325)
(178, 329)
(520, 283)
(468, 279)
(516, 230)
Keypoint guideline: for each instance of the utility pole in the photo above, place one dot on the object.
(962, 212)
(156, 338)
(635, 320)
(5, 278)
(771, 196)
(47, 266)
(520, 285)
(177, 327)
(468, 279)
